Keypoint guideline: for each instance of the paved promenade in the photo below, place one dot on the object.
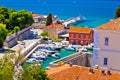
(21, 47)
(27, 43)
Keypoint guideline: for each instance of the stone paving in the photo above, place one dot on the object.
(28, 42)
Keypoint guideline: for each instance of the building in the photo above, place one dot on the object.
(54, 30)
(68, 72)
(81, 35)
(107, 45)
(40, 20)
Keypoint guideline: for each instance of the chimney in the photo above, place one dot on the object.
(103, 72)
(70, 64)
(109, 73)
(91, 71)
(76, 78)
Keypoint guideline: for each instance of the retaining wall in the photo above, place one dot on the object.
(12, 40)
(81, 59)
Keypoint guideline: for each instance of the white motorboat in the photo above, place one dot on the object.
(35, 55)
(34, 60)
(46, 48)
(55, 46)
(82, 49)
(70, 47)
(90, 46)
(31, 60)
(55, 55)
(49, 52)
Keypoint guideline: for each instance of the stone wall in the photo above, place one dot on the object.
(23, 34)
(81, 59)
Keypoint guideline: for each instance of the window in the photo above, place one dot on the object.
(106, 41)
(76, 41)
(72, 41)
(105, 61)
(72, 35)
(81, 42)
(76, 35)
(81, 36)
(87, 36)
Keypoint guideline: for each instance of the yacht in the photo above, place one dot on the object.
(46, 48)
(41, 55)
(55, 46)
(34, 60)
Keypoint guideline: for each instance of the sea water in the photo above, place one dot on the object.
(96, 12)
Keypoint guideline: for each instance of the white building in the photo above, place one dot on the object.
(107, 45)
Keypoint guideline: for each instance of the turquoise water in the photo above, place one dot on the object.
(63, 53)
(97, 12)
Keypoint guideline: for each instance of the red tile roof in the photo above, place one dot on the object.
(80, 29)
(65, 72)
(111, 25)
(56, 26)
(35, 15)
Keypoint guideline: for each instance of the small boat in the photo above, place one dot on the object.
(55, 55)
(70, 47)
(31, 60)
(39, 59)
(90, 46)
(35, 55)
(56, 46)
(82, 50)
(46, 48)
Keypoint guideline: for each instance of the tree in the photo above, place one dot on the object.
(117, 13)
(4, 12)
(3, 33)
(49, 19)
(34, 72)
(21, 18)
(44, 34)
(6, 67)
(16, 30)
(9, 68)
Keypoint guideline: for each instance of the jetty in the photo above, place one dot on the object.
(71, 21)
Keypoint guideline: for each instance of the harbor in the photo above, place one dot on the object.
(46, 55)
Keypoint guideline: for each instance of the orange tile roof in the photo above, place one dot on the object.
(66, 72)
(80, 29)
(56, 26)
(35, 15)
(111, 25)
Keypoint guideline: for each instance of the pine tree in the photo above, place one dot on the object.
(117, 13)
(49, 19)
